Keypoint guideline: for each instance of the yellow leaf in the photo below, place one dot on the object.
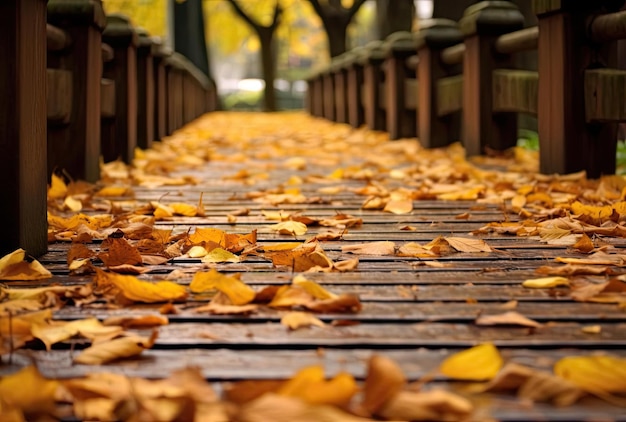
(58, 188)
(29, 391)
(313, 288)
(295, 320)
(142, 291)
(596, 374)
(114, 191)
(309, 385)
(281, 246)
(220, 255)
(124, 347)
(208, 234)
(57, 331)
(237, 291)
(73, 204)
(545, 282)
(463, 195)
(478, 363)
(293, 228)
(403, 206)
(13, 267)
(184, 209)
(197, 252)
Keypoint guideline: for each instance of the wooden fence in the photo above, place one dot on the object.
(452, 81)
(103, 87)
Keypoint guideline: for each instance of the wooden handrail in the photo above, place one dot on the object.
(515, 42)
(608, 27)
(453, 55)
(57, 39)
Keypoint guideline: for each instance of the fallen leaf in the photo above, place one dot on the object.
(13, 267)
(478, 363)
(295, 320)
(384, 380)
(237, 291)
(293, 228)
(309, 385)
(28, 391)
(545, 282)
(507, 318)
(120, 348)
(139, 291)
(434, 405)
(401, 206)
(595, 374)
(464, 244)
(218, 255)
(142, 322)
(584, 244)
(372, 248)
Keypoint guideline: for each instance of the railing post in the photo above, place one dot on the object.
(119, 134)
(145, 90)
(160, 53)
(23, 125)
(174, 93)
(341, 87)
(373, 86)
(567, 142)
(328, 84)
(433, 37)
(355, 89)
(481, 24)
(75, 147)
(401, 120)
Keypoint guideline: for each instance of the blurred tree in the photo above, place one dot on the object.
(336, 18)
(266, 39)
(148, 14)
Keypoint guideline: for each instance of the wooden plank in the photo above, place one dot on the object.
(59, 96)
(231, 365)
(449, 95)
(107, 98)
(23, 125)
(605, 90)
(515, 91)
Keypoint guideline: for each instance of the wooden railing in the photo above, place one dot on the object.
(110, 88)
(468, 88)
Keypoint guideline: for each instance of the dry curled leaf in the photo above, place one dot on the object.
(119, 348)
(295, 320)
(507, 318)
(384, 380)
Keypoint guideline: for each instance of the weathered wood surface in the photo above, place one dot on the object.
(415, 313)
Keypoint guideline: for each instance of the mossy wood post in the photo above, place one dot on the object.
(160, 54)
(74, 146)
(145, 90)
(328, 84)
(174, 72)
(481, 25)
(373, 86)
(400, 87)
(23, 125)
(341, 87)
(355, 88)
(435, 130)
(59, 95)
(568, 143)
(119, 133)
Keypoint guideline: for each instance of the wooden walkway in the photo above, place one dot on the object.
(415, 310)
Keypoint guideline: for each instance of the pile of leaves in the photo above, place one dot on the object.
(385, 393)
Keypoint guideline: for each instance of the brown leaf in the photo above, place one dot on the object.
(345, 303)
(434, 405)
(120, 253)
(384, 380)
(371, 248)
(464, 244)
(507, 318)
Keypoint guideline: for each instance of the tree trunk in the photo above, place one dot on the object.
(266, 38)
(336, 30)
(189, 34)
(393, 16)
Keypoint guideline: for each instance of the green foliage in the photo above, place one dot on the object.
(528, 139)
